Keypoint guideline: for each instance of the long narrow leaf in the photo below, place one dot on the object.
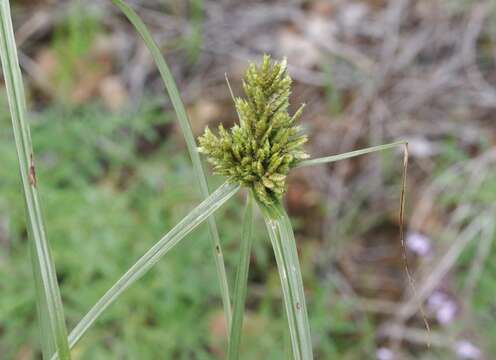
(284, 245)
(241, 280)
(49, 303)
(185, 126)
(347, 155)
(150, 258)
(47, 340)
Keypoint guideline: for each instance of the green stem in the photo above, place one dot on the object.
(241, 280)
(48, 294)
(284, 245)
(185, 126)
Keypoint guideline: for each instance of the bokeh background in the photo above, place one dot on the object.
(114, 175)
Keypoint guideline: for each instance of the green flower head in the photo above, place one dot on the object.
(259, 151)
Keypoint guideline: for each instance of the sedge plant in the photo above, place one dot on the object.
(256, 154)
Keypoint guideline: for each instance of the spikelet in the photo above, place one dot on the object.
(259, 151)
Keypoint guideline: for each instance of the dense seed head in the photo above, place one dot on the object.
(259, 151)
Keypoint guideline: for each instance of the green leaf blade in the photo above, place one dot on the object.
(49, 303)
(348, 155)
(185, 126)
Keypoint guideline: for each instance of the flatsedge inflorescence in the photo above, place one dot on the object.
(259, 151)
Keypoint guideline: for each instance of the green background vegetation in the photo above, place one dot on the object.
(112, 184)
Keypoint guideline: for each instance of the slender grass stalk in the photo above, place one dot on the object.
(241, 280)
(284, 245)
(49, 303)
(152, 256)
(185, 126)
(47, 341)
(347, 155)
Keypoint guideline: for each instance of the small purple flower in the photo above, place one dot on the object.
(436, 300)
(466, 350)
(384, 353)
(418, 243)
(446, 313)
(443, 306)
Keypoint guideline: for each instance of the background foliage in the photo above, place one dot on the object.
(114, 176)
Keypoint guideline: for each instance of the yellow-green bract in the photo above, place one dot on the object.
(259, 151)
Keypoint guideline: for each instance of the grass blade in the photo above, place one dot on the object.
(185, 126)
(347, 155)
(47, 341)
(49, 303)
(241, 280)
(284, 245)
(152, 256)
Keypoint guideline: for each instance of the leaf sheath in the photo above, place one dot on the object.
(284, 245)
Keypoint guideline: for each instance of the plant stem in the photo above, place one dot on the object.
(48, 298)
(241, 280)
(347, 155)
(152, 256)
(185, 126)
(284, 245)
